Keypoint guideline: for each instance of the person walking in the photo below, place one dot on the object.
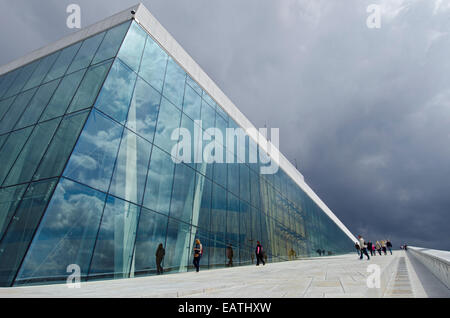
(259, 254)
(373, 250)
(378, 247)
(389, 246)
(358, 249)
(363, 247)
(230, 255)
(369, 248)
(198, 251)
(160, 252)
(383, 247)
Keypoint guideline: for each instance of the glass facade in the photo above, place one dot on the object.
(88, 174)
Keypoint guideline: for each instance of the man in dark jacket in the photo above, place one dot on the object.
(259, 254)
(160, 252)
(389, 246)
(230, 255)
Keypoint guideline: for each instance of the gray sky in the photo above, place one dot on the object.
(365, 112)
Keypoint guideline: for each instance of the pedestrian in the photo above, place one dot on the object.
(160, 252)
(383, 247)
(198, 252)
(373, 250)
(363, 247)
(405, 247)
(358, 249)
(369, 248)
(389, 246)
(378, 246)
(259, 254)
(230, 255)
(319, 251)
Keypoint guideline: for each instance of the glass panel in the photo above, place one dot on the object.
(3, 139)
(8, 79)
(66, 234)
(31, 155)
(113, 252)
(194, 85)
(186, 144)
(86, 52)
(144, 110)
(233, 176)
(41, 70)
(62, 63)
(15, 111)
(21, 79)
(209, 100)
(174, 83)
(178, 246)
(62, 144)
(11, 149)
(9, 200)
(4, 106)
(245, 233)
(202, 194)
(89, 87)
(183, 193)
(20, 232)
(153, 66)
(232, 223)
(218, 226)
(159, 182)
(151, 232)
(208, 116)
(168, 120)
(131, 168)
(192, 103)
(93, 158)
(63, 95)
(114, 98)
(244, 182)
(132, 47)
(37, 104)
(221, 112)
(111, 43)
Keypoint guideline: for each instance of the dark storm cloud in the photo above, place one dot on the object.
(365, 112)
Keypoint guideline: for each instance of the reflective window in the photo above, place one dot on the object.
(131, 168)
(115, 96)
(168, 120)
(4, 105)
(244, 182)
(37, 104)
(42, 70)
(32, 152)
(62, 96)
(245, 233)
(174, 83)
(62, 63)
(21, 79)
(221, 112)
(21, 229)
(208, 116)
(192, 103)
(66, 234)
(218, 226)
(194, 85)
(15, 110)
(232, 223)
(202, 202)
(93, 158)
(233, 176)
(115, 243)
(153, 66)
(144, 110)
(178, 246)
(111, 43)
(209, 100)
(151, 232)
(8, 79)
(9, 200)
(159, 182)
(89, 87)
(11, 149)
(86, 52)
(62, 144)
(132, 47)
(183, 193)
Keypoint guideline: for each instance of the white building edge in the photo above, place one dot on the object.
(149, 23)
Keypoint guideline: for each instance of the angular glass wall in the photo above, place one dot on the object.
(99, 116)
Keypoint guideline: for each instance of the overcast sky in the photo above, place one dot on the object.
(365, 112)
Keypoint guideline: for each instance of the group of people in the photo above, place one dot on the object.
(364, 248)
(198, 252)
